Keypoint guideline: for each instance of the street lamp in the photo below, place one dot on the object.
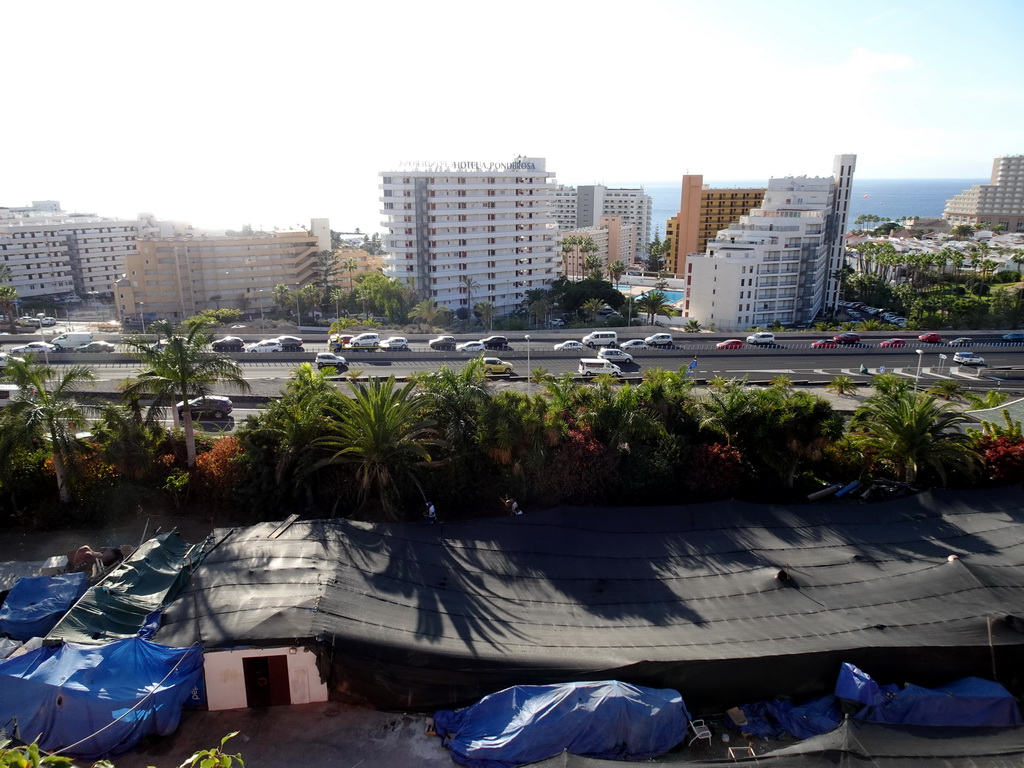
(142, 317)
(917, 378)
(527, 365)
(298, 312)
(260, 290)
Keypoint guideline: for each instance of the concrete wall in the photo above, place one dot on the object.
(225, 681)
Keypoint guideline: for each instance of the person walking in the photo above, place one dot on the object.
(429, 513)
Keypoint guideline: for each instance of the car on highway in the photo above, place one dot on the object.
(930, 337)
(34, 346)
(568, 344)
(267, 345)
(28, 321)
(329, 360)
(209, 407)
(442, 342)
(1013, 336)
(730, 344)
(824, 344)
(5, 359)
(893, 343)
(495, 342)
(613, 355)
(968, 358)
(761, 337)
(847, 337)
(98, 347)
(289, 342)
(659, 340)
(395, 342)
(961, 341)
(337, 341)
(495, 366)
(47, 322)
(635, 344)
(228, 344)
(470, 346)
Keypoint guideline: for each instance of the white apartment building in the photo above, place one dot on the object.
(574, 260)
(780, 262)
(465, 232)
(1000, 202)
(583, 206)
(37, 256)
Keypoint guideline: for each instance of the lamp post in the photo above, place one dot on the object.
(942, 359)
(142, 317)
(917, 377)
(298, 312)
(260, 290)
(527, 365)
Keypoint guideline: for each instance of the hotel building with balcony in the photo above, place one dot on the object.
(780, 262)
(584, 206)
(998, 203)
(470, 231)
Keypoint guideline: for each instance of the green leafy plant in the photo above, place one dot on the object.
(216, 757)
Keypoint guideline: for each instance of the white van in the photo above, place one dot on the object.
(72, 339)
(364, 341)
(601, 339)
(8, 392)
(593, 366)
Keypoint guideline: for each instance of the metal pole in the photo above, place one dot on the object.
(917, 378)
(527, 365)
(298, 312)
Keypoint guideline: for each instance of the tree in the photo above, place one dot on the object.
(486, 310)
(325, 269)
(180, 371)
(46, 407)
(592, 307)
(8, 305)
(425, 311)
(654, 303)
(471, 285)
(962, 232)
(842, 385)
(616, 270)
(350, 265)
(914, 433)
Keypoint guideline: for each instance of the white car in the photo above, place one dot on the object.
(659, 340)
(614, 355)
(634, 344)
(34, 346)
(5, 359)
(267, 345)
(570, 344)
(470, 346)
(329, 360)
(968, 358)
(395, 342)
(761, 337)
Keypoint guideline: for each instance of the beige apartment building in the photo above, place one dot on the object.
(174, 278)
(998, 203)
(703, 212)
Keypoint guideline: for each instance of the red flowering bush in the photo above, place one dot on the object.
(1003, 458)
(713, 471)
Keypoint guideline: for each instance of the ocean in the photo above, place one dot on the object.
(890, 198)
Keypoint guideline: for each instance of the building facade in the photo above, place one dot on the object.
(462, 233)
(780, 262)
(177, 277)
(998, 203)
(583, 206)
(37, 257)
(703, 212)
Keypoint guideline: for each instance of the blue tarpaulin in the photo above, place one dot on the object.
(774, 719)
(36, 604)
(527, 723)
(62, 694)
(967, 702)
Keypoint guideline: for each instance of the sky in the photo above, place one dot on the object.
(226, 113)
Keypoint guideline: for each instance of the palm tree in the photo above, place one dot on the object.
(842, 385)
(46, 406)
(654, 303)
(991, 399)
(425, 311)
(471, 285)
(569, 246)
(593, 267)
(8, 305)
(947, 390)
(592, 307)
(282, 296)
(616, 269)
(725, 410)
(692, 326)
(486, 310)
(350, 265)
(384, 436)
(182, 370)
(914, 433)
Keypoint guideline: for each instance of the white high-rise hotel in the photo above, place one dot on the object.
(466, 232)
(780, 262)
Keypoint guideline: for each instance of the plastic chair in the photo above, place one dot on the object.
(700, 731)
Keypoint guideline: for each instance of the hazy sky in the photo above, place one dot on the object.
(224, 113)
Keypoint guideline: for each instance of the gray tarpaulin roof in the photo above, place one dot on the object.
(730, 599)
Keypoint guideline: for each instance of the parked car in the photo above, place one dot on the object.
(48, 322)
(761, 337)
(211, 406)
(1013, 336)
(824, 344)
(34, 346)
(267, 345)
(893, 343)
(847, 337)
(634, 344)
(100, 347)
(329, 360)
(470, 346)
(568, 344)
(228, 344)
(614, 355)
(442, 342)
(930, 337)
(494, 366)
(730, 344)
(290, 342)
(659, 340)
(494, 342)
(968, 358)
(961, 341)
(395, 342)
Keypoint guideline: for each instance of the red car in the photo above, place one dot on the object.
(893, 343)
(729, 344)
(847, 337)
(930, 338)
(825, 344)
